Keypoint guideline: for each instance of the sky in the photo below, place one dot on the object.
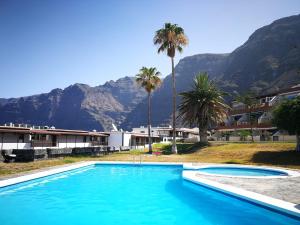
(47, 44)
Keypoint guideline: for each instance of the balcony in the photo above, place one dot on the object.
(41, 143)
(98, 143)
(246, 125)
(260, 107)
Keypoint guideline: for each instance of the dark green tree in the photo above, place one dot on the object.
(286, 116)
(203, 105)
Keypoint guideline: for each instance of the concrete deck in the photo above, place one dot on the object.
(287, 189)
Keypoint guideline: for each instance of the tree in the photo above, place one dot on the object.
(203, 105)
(171, 38)
(286, 116)
(250, 101)
(148, 78)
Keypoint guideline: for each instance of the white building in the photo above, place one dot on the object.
(130, 140)
(16, 137)
(166, 133)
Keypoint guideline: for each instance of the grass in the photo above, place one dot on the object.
(272, 154)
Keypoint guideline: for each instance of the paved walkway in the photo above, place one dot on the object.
(287, 189)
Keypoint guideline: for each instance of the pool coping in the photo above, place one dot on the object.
(290, 173)
(273, 203)
(65, 168)
(189, 175)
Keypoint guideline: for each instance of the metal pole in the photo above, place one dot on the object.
(17, 141)
(2, 141)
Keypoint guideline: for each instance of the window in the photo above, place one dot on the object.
(84, 139)
(21, 138)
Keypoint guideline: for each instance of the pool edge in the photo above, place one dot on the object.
(65, 168)
(190, 175)
(273, 203)
(289, 172)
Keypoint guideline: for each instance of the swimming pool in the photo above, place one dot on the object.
(127, 194)
(242, 171)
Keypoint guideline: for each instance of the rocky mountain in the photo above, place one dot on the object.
(269, 60)
(78, 106)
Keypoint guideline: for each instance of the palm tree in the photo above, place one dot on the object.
(249, 100)
(203, 105)
(171, 38)
(148, 78)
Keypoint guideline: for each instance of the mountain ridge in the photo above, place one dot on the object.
(268, 61)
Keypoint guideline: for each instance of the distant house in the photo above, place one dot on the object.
(131, 140)
(261, 116)
(166, 133)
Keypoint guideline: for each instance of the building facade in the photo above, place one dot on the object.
(20, 137)
(131, 140)
(258, 119)
(166, 133)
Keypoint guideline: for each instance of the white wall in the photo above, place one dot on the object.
(286, 138)
(72, 142)
(126, 139)
(11, 141)
(115, 139)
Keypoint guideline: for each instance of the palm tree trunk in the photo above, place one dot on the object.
(298, 142)
(149, 123)
(251, 125)
(174, 148)
(203, 134)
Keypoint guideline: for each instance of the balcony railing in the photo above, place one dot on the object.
(260, 107)
(39, 143)
(245, 126)
(98, 143)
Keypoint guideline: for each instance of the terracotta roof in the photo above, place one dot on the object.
(16, 130)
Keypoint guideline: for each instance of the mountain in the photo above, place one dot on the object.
(78, 106)
(269, 60)
(186, 70)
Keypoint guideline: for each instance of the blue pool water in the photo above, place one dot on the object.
(123, 194)
(239, 171)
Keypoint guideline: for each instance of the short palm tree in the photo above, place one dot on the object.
(203, 105)
(148, 78)
(171, 38)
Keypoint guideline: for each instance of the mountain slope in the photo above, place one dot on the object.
(269, 60)
(78, 106)
(186, 70)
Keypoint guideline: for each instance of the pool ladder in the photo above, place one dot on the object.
(137, 159)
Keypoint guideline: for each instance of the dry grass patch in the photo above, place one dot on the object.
(272, 154)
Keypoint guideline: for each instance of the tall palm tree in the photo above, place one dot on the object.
(250, 102)
(203, 105)
(171, 38)
(148, 78)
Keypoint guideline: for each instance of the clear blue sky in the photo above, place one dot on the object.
(45, 44)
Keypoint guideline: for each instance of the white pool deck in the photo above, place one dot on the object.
(280, 193)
